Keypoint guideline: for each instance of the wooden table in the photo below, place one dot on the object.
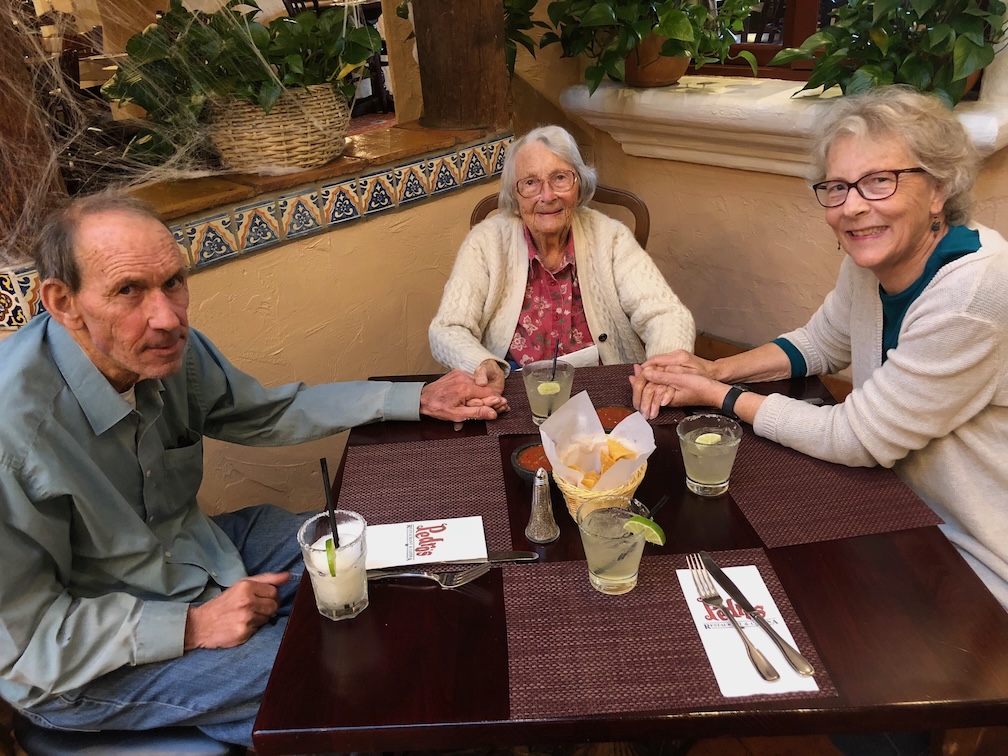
(907, 634)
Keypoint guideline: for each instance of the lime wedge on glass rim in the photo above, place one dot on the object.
(651, 530)
(330, 553)
(548, 389)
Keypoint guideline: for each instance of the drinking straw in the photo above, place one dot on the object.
(661, 503)
(556, 353)
(329, 501)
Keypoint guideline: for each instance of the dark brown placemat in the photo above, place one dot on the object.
(652, 658)
(790, 498)
(417, 480)
(606, 385)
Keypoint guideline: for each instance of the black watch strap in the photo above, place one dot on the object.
(728, 405)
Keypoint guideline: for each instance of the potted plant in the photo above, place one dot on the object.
(932, 45)
(608, 31)
(223, 73)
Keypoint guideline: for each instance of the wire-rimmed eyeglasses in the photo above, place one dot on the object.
(874, 186)
(559, 181)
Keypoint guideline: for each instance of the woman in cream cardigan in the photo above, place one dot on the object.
(549, 274)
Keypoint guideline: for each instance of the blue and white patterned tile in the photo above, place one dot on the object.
(12, 312)
(256, 226)
(300, 213)
(442, 174)
(29, 288)
(340, 202)
(211, 239)
(495, 152)
(183, 244)
(473, 167)
(378, 192)
(411, 183)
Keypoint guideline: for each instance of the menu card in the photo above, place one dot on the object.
(735, 674)
(451, 539)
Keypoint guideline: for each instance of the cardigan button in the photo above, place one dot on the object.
(603, 337)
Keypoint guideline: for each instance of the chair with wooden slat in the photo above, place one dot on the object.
(606, 195)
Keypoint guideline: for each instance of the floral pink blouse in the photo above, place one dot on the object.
(552, 310)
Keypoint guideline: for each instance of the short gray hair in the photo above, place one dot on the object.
(55, 250)
(559, 141)
(931, 132)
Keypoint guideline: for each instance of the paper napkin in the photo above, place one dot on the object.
(732, 668)
(451, 539)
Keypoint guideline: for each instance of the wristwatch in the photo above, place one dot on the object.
(728, 405)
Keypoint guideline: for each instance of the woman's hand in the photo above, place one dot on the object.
(656, 387)
(489, 373)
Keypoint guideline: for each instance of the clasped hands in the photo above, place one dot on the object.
(458, 396)
(675, 379)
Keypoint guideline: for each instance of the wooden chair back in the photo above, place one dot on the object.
(607, 195)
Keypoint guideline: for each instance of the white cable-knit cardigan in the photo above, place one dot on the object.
(936, 411)
(631, 311)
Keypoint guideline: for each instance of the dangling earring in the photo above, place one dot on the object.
(935, 226)
(838, 245)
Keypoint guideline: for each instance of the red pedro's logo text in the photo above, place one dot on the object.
(425, 540)
(718, 615)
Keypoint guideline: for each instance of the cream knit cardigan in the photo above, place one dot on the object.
(631, 311)
(936, 411)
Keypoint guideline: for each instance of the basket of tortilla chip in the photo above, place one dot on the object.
(587, 463)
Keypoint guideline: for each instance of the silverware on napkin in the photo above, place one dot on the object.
(493, 557)
(795, 659)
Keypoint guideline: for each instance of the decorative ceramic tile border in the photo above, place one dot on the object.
(270, 220)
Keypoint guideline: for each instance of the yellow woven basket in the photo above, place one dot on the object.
(575, 496)
(306, 128)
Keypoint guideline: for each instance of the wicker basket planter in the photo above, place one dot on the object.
(306, 128)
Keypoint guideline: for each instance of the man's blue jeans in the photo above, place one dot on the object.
(216, 690)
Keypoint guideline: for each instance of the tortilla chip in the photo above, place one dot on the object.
(617, 451)
(590, 479)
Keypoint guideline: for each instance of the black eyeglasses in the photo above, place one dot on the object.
(532, 186)
(874, 186)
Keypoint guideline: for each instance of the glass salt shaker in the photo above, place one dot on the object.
(542, 527)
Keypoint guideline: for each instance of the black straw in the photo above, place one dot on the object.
(556, 353)
(329, 501)
(661, 503)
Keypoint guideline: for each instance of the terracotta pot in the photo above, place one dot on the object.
(645, 66)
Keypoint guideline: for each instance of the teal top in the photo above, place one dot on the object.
(104, 545)
(959, 241)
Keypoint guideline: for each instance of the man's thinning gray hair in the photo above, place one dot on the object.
(55, 250)
(931, 132)
(558, 141)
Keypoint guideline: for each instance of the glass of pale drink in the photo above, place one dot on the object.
(612, 551)
(709, 443)
(338, 574)
(547, 388)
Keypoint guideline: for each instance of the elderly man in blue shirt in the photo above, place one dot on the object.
(122, 605)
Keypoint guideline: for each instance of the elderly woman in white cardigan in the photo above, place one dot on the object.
(549, 275)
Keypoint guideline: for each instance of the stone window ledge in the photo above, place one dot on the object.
(219, 218)
(749, 124)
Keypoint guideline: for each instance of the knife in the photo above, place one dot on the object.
(494, 557)
(795, 659)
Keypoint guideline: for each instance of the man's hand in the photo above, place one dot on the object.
(456, 397)
(231, 618)
(488, 373)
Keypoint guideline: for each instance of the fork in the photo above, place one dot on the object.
(446, 580)
(710, 596)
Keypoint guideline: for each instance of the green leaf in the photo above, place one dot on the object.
(593, 76)
(268, 95)
(880, 38)
(867, 77)
(883, 9)
(600, 14)
(969, 57)
(675, 25)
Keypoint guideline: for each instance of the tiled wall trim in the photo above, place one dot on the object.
(271, 220)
